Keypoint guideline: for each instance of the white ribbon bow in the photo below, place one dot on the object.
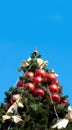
(62, 123)
(16, 118)
(40, 61)
(13, 109)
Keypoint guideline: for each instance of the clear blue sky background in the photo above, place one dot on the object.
(26, 24)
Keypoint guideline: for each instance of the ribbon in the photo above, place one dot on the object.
(40, 61)
(62, 123)
(16, 118)
(13, 109)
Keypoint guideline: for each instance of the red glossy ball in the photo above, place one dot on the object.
(59, 89)
(30, 85)
(29, 74)
(57, 82)
(51, 77)
(40, 72)
(53, 88)
(8, 105)
(20, 84)
(64, 101)
(56, 98)
(39, 92)
(12, 100)
(38, 80)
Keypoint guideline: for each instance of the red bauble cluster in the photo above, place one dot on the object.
(53, 86)
(39, 77)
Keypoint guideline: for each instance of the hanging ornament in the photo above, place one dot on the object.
(12, 100)
(55, 97)
(51, 78)
(39, 92)
(53, 88)
(29, 74)
(30, 85)
(40, 72)
(20, 84)
(64, 101)
(57, 82)
(38, 80)
(8, 105)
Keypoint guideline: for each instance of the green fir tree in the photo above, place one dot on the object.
(37, 101)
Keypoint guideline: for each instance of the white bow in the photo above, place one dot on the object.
(69, 114)
(40, 61)
(13, 109)
(16, 118)
(62, 123)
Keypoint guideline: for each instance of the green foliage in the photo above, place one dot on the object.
(38, 111)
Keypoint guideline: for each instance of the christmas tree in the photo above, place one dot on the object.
(37, 101)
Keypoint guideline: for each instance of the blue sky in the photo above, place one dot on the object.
(44, 24)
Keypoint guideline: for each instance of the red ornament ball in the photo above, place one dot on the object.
(51, 77)
(39, 92)
(38, 80)
(12, 100)
(30, 85)
(53, 88)
(56, 98)
(64, 101)
(57, 82)
(59, 89)
(40, 72)
(29, 74)
(8, 105)
(20, 84)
